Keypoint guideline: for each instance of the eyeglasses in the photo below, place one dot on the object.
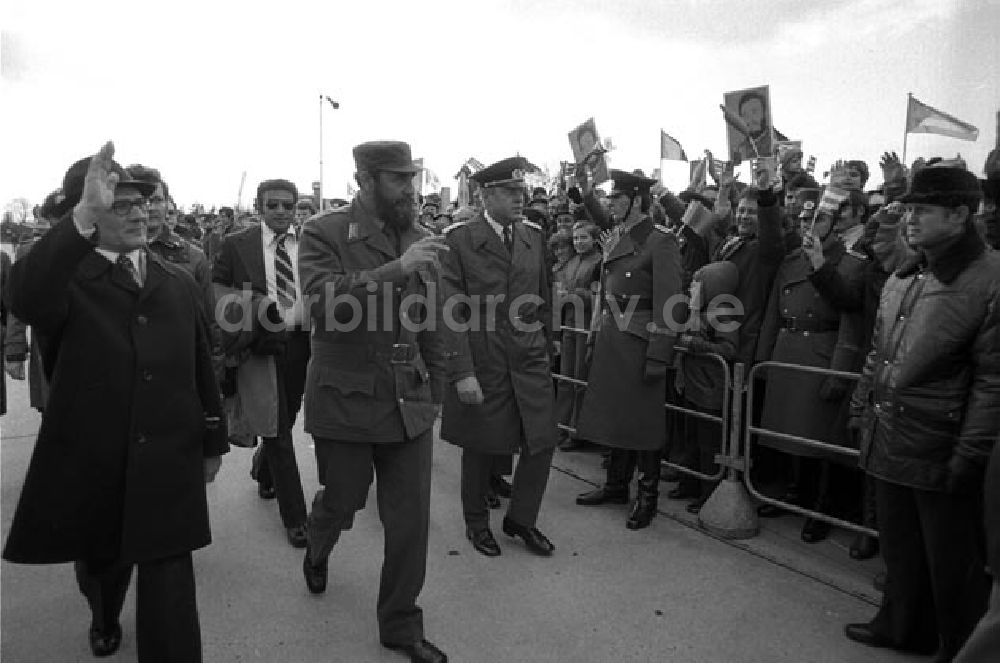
(124, 207)
(273, 205)
(157, 200)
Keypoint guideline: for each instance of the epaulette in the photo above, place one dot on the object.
(532, 224)
(857, 254)
(449, 228)
(662, 229)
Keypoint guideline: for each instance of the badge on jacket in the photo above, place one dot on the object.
(353, 230)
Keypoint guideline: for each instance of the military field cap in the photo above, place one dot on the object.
(938, 185)
(508, 172)
(391, 156)
(631, 183)
(73, 180)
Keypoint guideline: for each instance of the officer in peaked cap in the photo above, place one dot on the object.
(633, 345)
(372, 388)
(500, 397)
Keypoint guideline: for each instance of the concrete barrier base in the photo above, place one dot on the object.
(729, 512)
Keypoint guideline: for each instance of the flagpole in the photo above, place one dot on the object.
(906, 126)
(320, 202)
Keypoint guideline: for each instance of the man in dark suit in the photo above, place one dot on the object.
(260, 264)
(502, 401)
(132, 429)
(375, 381)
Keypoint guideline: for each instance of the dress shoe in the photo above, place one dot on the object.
(814, 531)
(266, 491)
(105, 642)
(682, 492)
(419, 652)
(642, 514)
(296, 536)
(483, 541)
(603, 495)
(866, 635)
(535, 541)
(694, 508)
(863, 547)
(315, 574)
(492, 501)
(500, 486)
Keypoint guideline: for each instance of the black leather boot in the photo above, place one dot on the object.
(644, 509)
(615, 488)
(606, 494)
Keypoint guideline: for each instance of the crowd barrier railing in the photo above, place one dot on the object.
(749, 431)
(722, 420)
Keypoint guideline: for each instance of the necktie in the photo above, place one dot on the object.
(506, 237)
(126, 264)
(284, 277)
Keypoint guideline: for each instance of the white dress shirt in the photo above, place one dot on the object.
(292, 316)
(497, 228)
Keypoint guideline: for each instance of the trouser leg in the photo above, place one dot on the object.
(951, 526)
(403, 487)
(104, 586)
(167, 629)
(906, 616)
(345, 490)
(530, 479)
(259, 470)
(619, 472)
(280, 455)
(476, 469)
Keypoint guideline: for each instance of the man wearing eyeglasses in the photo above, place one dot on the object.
(170, 246)
(132, 428)
(259, 266)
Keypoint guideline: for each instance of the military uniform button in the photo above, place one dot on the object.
(141, 319)
(147, 376)
(141, 439)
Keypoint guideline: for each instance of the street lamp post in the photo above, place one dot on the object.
(335, 106)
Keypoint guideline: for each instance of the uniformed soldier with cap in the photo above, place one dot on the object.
(497, 312)
(374, 381)
(633, 345)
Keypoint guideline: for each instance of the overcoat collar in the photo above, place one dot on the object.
(484, 237)
(95, 265)
(953, 260)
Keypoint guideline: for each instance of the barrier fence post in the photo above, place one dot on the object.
(730, 512)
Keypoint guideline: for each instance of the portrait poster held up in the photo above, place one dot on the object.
(588, 151)
(749, 124)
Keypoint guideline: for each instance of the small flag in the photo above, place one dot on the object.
(670, 148)
(923, 119)
(832, 199)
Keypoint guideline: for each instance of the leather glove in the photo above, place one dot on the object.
(964, 475)
(654, 370)
(832, 389)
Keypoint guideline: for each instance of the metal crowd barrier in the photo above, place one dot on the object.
(750, 430)
(722, 420)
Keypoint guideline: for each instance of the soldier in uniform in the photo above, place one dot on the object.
(801, 326)
(374, 381)
(501, 399)
(633, 345)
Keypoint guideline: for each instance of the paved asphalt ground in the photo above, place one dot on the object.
(669, 593)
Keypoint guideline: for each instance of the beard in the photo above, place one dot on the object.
(398, 213)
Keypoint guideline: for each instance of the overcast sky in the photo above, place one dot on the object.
(206, 90)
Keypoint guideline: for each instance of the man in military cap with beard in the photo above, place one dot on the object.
(374, 381)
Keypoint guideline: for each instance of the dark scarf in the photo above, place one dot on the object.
(951, 262)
